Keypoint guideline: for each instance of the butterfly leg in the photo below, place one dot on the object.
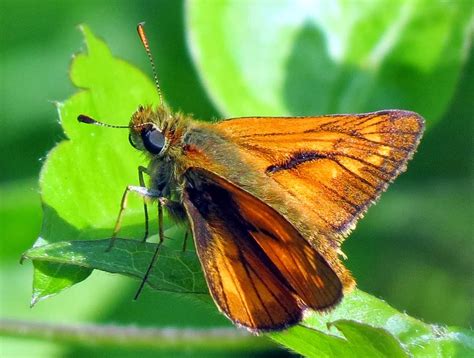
(142, 170)
(185, 241)
(177, 213)
(161, 237)
(140, 190)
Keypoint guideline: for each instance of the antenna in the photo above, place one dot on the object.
(86, 119)
(144, 40)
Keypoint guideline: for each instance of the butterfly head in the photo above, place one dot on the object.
(145, 132)
(147, 127)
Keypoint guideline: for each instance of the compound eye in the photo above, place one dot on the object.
(153, 140)
(130, 139)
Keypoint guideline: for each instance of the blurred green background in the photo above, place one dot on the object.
(414, 249)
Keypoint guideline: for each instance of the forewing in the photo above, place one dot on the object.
(260, 271)
(335, 166)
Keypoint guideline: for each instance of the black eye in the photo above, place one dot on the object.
(153, 140)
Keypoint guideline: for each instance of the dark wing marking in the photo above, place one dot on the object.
(319, 160)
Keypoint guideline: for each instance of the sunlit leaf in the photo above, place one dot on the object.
(83, 177)
(320, 57)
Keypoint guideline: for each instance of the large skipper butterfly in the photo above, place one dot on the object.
(269, 200)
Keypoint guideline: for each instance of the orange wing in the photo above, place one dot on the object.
(334, 166)
(260, 271)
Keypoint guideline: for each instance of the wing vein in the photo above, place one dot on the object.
(343, 198)
(356, 176)
(235, 285)
(369, 164)
(246, 266)
(295, 196)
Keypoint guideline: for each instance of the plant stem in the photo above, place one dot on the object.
(130, 336)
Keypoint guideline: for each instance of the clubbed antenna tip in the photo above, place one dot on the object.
(88, 120)
(144, 40)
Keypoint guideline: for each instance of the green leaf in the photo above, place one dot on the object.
(50, 278)
(360, 326)
(83, 177)
(360, 340)
(330, 56)
(174, 271)
(372, 328)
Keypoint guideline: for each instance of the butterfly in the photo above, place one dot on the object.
(269, 200)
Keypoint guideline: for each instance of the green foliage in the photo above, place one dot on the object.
(345, 57)
(83, 177)
(419, 231)
(360, 326)
(91, 155)
(175, 270)
(359, 340)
